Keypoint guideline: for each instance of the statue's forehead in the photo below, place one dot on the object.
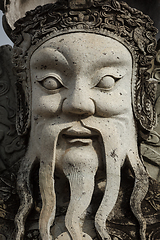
(87, 45)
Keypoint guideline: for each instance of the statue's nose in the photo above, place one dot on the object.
(78, 102)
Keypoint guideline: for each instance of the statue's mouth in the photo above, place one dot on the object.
(83, 135)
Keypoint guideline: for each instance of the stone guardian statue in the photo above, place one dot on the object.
(84, 94)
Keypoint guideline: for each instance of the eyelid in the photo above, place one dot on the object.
(107, 75)
(54, 75)
(108, 71)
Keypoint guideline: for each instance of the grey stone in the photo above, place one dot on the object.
(86, 90)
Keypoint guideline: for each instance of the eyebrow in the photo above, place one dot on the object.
(111, 71)
(48, 55)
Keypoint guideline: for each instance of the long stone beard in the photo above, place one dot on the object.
(80, 169)
(79, 163)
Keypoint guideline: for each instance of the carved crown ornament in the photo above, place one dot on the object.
(109, 18)
(15, 10)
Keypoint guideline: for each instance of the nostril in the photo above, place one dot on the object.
(80, 111)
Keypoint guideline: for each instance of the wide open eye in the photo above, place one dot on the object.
(51, 83)
(106, 82)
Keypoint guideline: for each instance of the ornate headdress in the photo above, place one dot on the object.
(108, 18)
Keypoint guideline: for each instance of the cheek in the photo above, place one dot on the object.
(46, 105)
(113, 103)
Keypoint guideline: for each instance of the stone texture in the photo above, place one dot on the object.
(85, 99)
(67, 84)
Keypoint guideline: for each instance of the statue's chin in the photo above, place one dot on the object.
(80, 143)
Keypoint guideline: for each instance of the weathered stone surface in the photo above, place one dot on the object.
(67, 84)
(86, 90)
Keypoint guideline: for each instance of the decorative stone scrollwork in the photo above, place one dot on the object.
(12, 146)
(150, 147)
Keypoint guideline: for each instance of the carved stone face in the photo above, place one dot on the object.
(81, 74)
(81, 92)
(82, 129)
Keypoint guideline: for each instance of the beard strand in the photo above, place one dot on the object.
(80, 165)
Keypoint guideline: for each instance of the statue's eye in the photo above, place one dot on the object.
(106, 82)
(51, 83)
